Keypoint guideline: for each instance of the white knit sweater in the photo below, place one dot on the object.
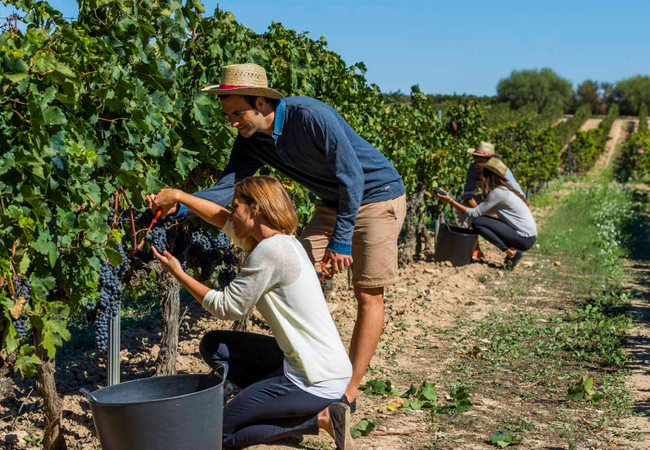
(280, 280)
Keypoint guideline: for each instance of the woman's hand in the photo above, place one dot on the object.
(166, 199)
(444, 197)
(169, 262)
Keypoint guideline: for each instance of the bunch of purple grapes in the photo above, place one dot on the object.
(22, 289)
(108, 304)
(226, 275)
(157, 237)
(207, 251)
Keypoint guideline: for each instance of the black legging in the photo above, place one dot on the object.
(270, 406)
(501, 234)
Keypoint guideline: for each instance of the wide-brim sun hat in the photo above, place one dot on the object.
(243, 79)
(485, 149)
(497, 167)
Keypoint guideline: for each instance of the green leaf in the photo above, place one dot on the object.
(55, 328)
(15, 77)
(26, 361)
(363, 428)
(54, 116)
(185, 162)
(503, 439)
(11, 341)
(428, 392)
(42, 285)
(45, 246)
(24, 263)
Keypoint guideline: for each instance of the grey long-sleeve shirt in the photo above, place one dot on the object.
(509, 208)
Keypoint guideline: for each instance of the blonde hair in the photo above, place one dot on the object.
(272, 199)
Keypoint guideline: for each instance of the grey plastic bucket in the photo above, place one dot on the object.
(455, 244)
(179, 412)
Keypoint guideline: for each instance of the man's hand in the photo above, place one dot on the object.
(338, 261)
(165, 200)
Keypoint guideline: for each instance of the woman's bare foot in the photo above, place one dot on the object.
(511, 252)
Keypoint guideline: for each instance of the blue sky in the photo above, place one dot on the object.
(463, 46)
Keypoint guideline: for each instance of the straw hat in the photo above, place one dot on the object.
(497, 167)
(243, 79)
(482, 149)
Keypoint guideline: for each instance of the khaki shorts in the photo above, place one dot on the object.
(374, 242)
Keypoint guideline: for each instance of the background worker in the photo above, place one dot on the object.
(362, 196)
(481, 154)
(515, 230)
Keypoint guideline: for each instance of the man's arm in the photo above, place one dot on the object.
(329, 135)
(239, 167)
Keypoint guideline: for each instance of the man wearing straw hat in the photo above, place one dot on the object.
(362, 196)
(481, 154)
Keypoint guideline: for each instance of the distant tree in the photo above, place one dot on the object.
(633, 92)
(588, 94)
(543, 87)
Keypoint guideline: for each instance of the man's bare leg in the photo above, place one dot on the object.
(367, 331)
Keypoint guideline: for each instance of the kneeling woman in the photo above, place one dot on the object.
(515, 230)
(304, 368)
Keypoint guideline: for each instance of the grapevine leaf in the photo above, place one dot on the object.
(54, 116)
(428, 392)
(11, 342)
(26, 361)
(363, 428)
(42, 285)
(15, 77)
(185, 162)
(24, 263)
(55, 328)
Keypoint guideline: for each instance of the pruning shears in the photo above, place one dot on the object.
(325, 272)
(155, 218)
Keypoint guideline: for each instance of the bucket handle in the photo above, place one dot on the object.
(89, 395)
(219, 366)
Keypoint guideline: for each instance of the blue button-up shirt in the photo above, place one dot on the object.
(313, 145)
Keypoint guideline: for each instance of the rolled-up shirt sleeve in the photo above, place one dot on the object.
(257, 276)
(329, 135)
(239, 167)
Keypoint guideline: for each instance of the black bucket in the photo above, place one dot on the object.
(179, 412)
(455, 244)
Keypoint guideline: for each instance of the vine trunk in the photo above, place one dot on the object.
(169, 290)
(409, 250)
(53, 438)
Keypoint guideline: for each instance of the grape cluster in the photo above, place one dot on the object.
(201, 240)
(22, 289)
(229, 258)
(122, 268)
(221, 242)
(157, 237)
(226, 275)
(205, 252)
(108, 305)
